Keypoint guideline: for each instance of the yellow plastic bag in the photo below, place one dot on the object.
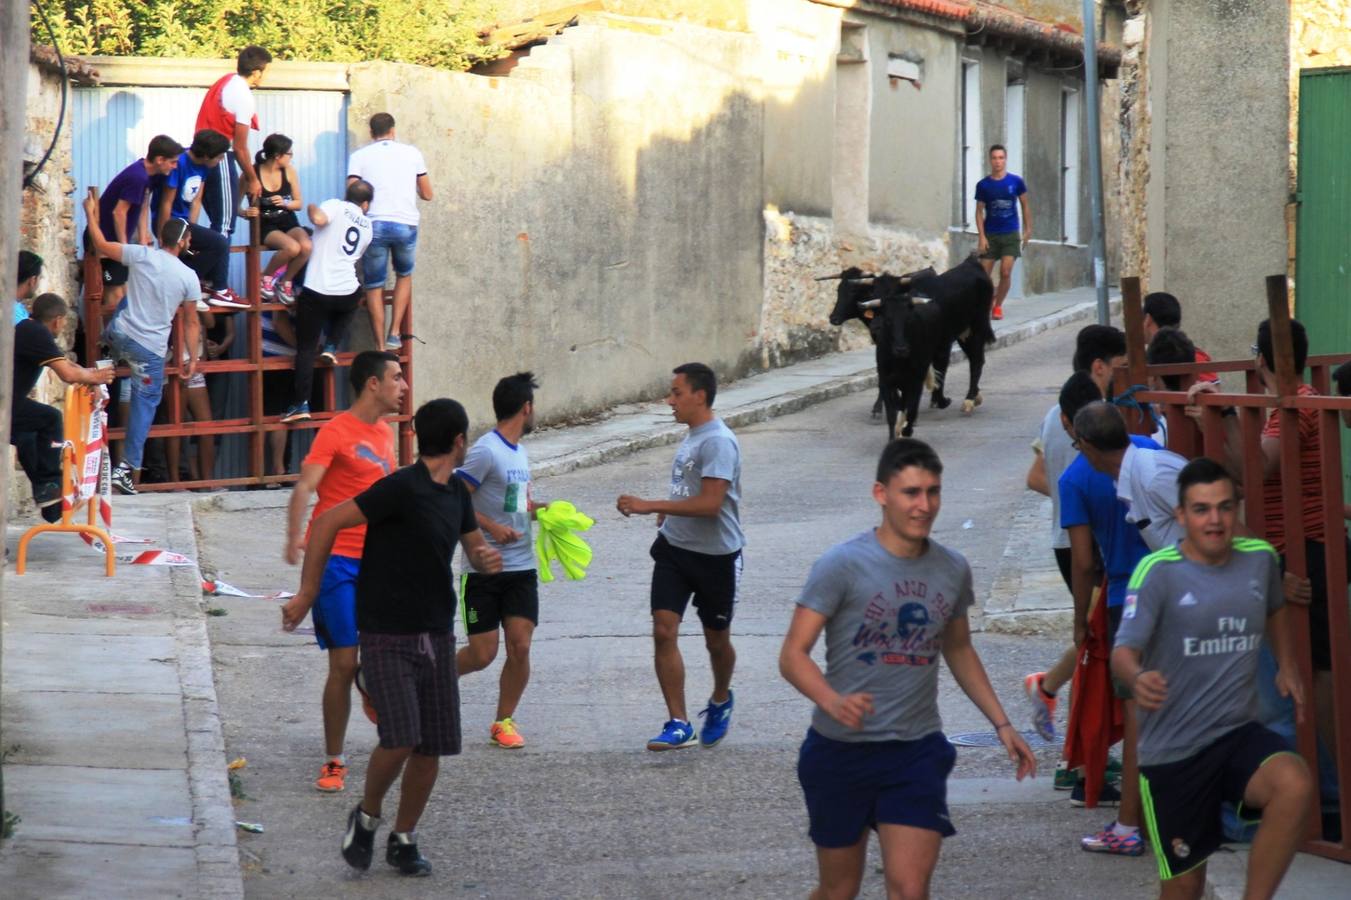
(556, 541)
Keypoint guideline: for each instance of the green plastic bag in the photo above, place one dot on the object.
(556, 541)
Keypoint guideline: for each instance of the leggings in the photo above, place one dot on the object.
(318, 314)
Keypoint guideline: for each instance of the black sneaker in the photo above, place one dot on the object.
(122, 482)
(1108, 796)
(47, 494)
(401, 852)
(358, 844)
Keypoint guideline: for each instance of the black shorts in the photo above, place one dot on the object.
(710, 579)
(852, 786)
(283, 223)
(1182, 799)
(485, 600)
(412, 684)
(114, 273)
(1320, 643)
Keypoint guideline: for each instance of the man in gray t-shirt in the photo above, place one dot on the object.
(497, 472)
(890, 601)
(158, 284)
(697, 554)
(1193, 623)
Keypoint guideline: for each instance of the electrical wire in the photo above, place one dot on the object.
(60, 116)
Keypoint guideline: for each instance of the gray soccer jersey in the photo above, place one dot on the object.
(500, 474)
(1201, 627)
(885, 617)
(709, 451)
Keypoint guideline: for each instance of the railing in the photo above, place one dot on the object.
(253, 365)
(1208, 438)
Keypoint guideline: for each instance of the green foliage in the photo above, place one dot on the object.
(439, 33)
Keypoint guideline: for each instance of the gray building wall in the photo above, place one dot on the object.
(1218, 161)
(597, 219)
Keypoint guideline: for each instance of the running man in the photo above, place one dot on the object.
(1196, 615)
(697, 553)
(405, 602)
(999, 195)
(353, 451)
(889, 600)
(497, 472)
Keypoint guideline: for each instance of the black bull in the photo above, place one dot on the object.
(912, 335)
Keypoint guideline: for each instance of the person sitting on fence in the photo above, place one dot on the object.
(159, 283)
(36, 429)
(180, 195)
(124, 214)
(229, 109)
(279, 229)
(332, 290)
(30, 273)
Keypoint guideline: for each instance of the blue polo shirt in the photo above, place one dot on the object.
(1088, 497)
(1001, 202)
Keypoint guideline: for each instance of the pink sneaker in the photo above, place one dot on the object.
(268, 288)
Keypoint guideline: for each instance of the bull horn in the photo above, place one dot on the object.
(871, 304)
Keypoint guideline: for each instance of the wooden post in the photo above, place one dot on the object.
(1133, 318)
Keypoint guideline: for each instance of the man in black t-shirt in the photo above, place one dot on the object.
(36, 428)
(405, 602)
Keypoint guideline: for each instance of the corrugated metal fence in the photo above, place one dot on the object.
(111, 127)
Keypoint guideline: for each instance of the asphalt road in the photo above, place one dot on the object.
(584, 810)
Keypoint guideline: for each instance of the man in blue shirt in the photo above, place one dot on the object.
(998, 196)
(179, 195)
(1091, 512)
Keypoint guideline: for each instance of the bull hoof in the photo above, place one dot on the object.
(979, 399)
(907, 430)
(968, 406)
(940, 402)
(877, 410)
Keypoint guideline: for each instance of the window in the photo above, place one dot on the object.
(1069, 166)
(972, 156)
(1014, 125)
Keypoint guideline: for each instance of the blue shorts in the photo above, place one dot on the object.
(335, 612)
(388, 239)
(850, 787)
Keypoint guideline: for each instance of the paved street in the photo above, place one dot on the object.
(584, 810)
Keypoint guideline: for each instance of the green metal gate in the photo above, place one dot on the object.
(1323, 221)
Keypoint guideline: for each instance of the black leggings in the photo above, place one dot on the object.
(318, 314)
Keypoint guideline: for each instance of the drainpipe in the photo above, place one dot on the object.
(1098, 249)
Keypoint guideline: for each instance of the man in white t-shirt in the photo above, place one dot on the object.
(229, 109)
(399, 175)
(332, 290)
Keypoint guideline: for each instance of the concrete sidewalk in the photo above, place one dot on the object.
(114, 759)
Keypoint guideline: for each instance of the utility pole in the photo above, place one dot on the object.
(14, 76)
(1091, 94)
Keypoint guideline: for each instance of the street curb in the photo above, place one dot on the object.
(218, 870)
(794, 401)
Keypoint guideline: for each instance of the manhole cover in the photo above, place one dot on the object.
(990, 739)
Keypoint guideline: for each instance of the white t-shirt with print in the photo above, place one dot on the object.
(337, 247)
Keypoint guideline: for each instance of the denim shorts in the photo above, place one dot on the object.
(388, 239)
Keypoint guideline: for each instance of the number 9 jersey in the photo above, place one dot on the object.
(337, 248)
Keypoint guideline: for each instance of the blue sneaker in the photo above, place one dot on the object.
(297, 413)
(717, 719)
(675, 735)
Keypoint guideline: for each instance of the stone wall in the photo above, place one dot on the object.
(46, 227)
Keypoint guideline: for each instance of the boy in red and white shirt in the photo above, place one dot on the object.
(229, 108)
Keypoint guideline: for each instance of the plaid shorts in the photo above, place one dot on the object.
(412, 683)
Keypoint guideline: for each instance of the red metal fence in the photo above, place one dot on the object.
(253, 365)
(1253, 406)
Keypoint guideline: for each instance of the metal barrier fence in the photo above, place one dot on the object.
(255, 425)
(1208, 438)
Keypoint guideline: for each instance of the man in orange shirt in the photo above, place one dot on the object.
(350, 453)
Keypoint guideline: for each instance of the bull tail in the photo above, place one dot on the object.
(981, 329)
(930, 379)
